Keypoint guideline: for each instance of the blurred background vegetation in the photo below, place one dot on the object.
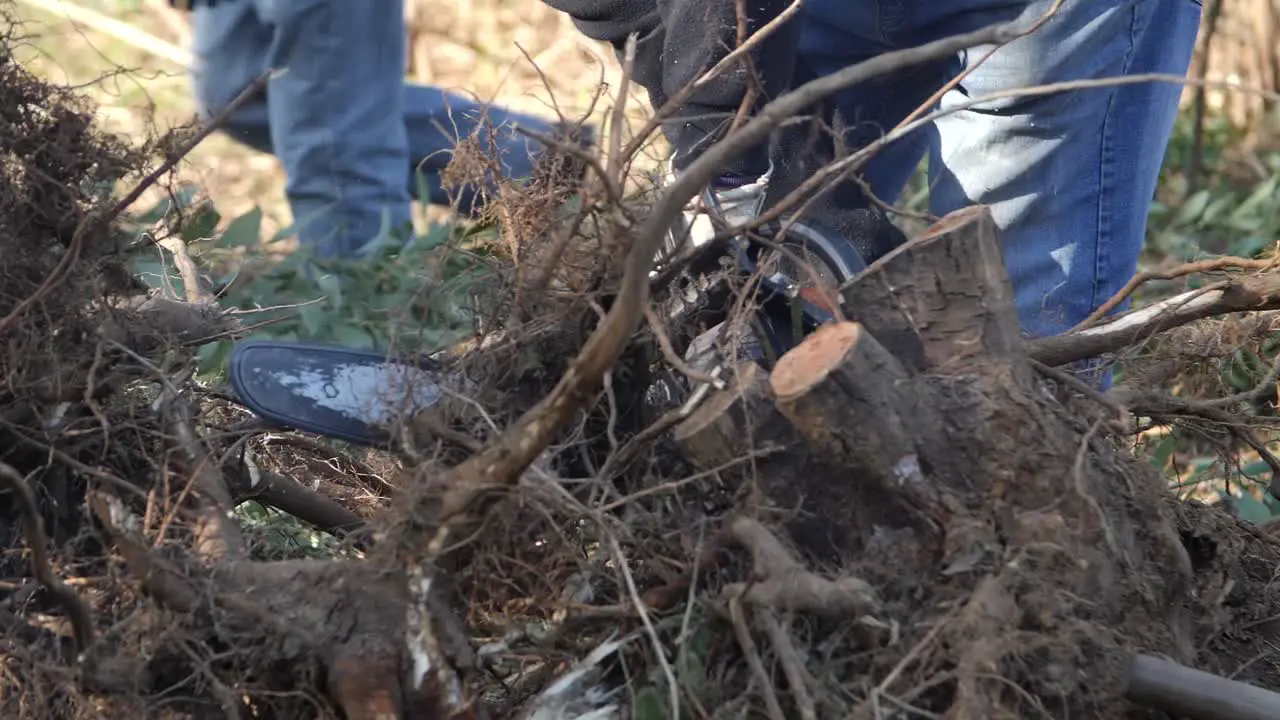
(1218, 192)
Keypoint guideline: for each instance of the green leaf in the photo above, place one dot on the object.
(1250, 245)
(648, 704)
(1256, 469)
(284, 233)
(423, 186)
(1252, 509)
(353, 336)
(691, 666)
(202, 225)
(244, 231)
(434, 238)
(1193, 208)
(1238, 374)
(1218, 209)
(1263, 193)
(331, 286)
(213, 358)
(159, 275)
(1164, 450)
(1201, 467)
(313, 318)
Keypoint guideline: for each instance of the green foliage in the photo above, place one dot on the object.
(1233, 209)
(423, 293)
(651, 701)
(279, 536)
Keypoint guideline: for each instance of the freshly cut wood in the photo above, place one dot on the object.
(741, 420)
(734, 422)
(943, 300)
(849, 397)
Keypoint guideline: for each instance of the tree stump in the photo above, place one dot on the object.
(943, 299)
(1056, 553)
(740, 420)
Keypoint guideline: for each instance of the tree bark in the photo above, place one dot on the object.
(740, 420)
(848, 398)
(943, 300)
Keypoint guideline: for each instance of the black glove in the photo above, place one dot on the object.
(802, 151)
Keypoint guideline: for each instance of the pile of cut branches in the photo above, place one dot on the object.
(914, 513)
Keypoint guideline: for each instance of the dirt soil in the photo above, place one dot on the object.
(907, 517)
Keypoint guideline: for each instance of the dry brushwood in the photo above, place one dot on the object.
(912, 456)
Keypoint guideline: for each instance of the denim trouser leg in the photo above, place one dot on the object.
(1068, 176)
(348, 130)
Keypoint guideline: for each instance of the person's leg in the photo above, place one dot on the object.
(230, 43)
(364, 173)
(1069, 176)
(836, 34)
(334, 117)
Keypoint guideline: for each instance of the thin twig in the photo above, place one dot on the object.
(192, 283)
(915, 652)
(218, 534)
(612, 190)
(792, 666)
(672, 357)
(33, 527)
(674, 485)
(1146, 276)
(102, 220)
(1165, 406)
(619, 115)
(659, 652)
(1267, 385)
(1250, 293)
(1086, 496)
(743, 632)
(1075, 383)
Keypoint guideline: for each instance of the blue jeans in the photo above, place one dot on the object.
(351, 134)
(1068, 176)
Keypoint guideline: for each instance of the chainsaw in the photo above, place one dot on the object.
(355, 395)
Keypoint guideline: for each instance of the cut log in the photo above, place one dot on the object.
(740, 419)
(849, 399)
(734, 422)
(943, 298)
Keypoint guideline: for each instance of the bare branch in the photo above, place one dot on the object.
(1146, 276)
(1257, 292)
